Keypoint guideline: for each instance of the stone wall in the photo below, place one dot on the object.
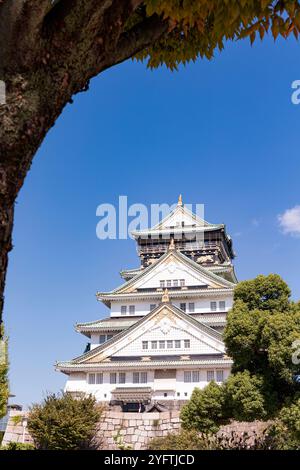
(117, 430)
(15, 431)
(130, 430)
(134, 430)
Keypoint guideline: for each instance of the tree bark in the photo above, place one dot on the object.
(48, 52)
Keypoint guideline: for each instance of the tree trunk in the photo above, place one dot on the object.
(48, 52)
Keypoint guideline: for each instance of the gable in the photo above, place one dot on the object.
(162, 324)
(174, 266)
(180, 217)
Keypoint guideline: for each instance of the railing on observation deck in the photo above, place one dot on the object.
(179, 246)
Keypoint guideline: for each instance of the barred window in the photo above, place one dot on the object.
(123, 309)
(122, 377)
(154, 344)
(182, 282)
(220, 375)
(191, 307)
(196, 376)
(169, 344)
(102, 339)
(183, 307)
(131, 309)
(210, 375)
(162, 345)
(91, 379)
(162, 284)
(177, 343)
(187, 376)
(213, 306)
(169, 283)
(187, 343)
(136, 377)
(144, 378)
(99, 378)
(145, 344)
(113, 378)
(152, 307)
(222, 305)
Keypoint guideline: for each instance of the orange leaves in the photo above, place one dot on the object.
(201, 26)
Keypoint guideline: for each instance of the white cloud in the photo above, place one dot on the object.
(290, 221)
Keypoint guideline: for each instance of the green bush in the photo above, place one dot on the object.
(205, 410)
(192, 440)
(63, 422)
(286, 429)
(245, 398)
(18, 446)
(184, 440)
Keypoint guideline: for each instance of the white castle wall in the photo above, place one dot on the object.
(181, 390)
(143, 308)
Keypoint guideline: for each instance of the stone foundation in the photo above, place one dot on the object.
(119, 430)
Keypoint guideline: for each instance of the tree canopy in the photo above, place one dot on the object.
(261, 329)
(259, 336)
(50, 50)
(197, 28)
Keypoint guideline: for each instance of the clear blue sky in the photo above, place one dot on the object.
(223, 133)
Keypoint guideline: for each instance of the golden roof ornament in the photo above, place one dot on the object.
(165, 298)
(180, 201)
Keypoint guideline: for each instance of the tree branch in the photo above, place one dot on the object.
(138, 38)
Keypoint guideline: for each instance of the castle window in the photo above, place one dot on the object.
(220, 375)
(113, 378)
(152, 307)
(182, 282)
(102, 339)
(122, 377)
(169, 283)
(165, 394)
(169, 344)
(136, 377)
(145, 344)
(99, 378)
(183, 307)
(162, 344)
(144, 379)
(187, 376)
(175, 283)
(154, 344)
(187, 343)
(123, 309)
(91, 379)
(177, 343)
(162, 284)
(210, 375)
(191, 307)
(222, 305)
(196, 376)
(213, 306)
(131, 309)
